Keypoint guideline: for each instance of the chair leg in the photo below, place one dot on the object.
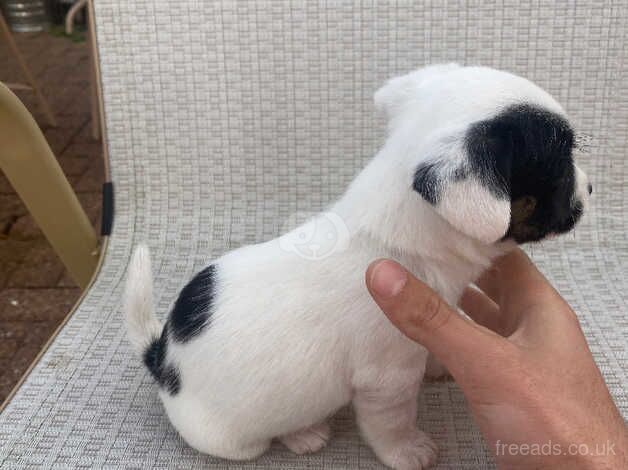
(35, 174)
(69, 17)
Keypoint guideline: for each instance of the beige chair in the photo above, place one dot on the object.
(225, 118)
(33, 171)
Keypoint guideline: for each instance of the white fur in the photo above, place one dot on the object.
(582, 191)
(294, 336)
(141, 324)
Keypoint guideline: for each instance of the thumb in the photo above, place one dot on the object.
(424, 317)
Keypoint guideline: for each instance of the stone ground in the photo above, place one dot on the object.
(36, 293)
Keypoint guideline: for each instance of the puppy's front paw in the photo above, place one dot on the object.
(415, 452)
(307, 440)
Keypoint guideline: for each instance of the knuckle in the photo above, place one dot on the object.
(432, 312)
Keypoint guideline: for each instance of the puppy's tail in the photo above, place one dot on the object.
(142, 324)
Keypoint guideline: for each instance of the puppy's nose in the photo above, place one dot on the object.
(590, 188)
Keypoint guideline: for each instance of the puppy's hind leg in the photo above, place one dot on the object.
(248, 452)
(307, 440)
(230, 450)
(208, 435)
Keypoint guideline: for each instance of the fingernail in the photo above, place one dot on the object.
(388, 278)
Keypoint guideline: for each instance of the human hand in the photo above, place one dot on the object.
(523, 364)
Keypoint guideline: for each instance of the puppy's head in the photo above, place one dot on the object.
(490, 152)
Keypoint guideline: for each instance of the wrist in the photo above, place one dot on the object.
(599, 442)
(558, 462)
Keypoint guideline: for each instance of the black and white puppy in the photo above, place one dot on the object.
(271, 339)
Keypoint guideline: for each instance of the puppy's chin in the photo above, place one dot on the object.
(530, 230)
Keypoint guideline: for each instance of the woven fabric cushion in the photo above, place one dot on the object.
(226, 118)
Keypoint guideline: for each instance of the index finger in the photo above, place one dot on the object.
(421, 314)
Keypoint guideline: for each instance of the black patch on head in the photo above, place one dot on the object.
(525, 154)
(426, 182)
(489, 146)
(166, 375)
(192, 310)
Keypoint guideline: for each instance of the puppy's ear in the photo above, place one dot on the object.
(397, 92)
(470, 188)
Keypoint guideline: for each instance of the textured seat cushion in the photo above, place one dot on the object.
(226, 118)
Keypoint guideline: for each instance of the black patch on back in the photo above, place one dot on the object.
(426, 182)
(526, 152)
(192, 310)
(164, 374)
